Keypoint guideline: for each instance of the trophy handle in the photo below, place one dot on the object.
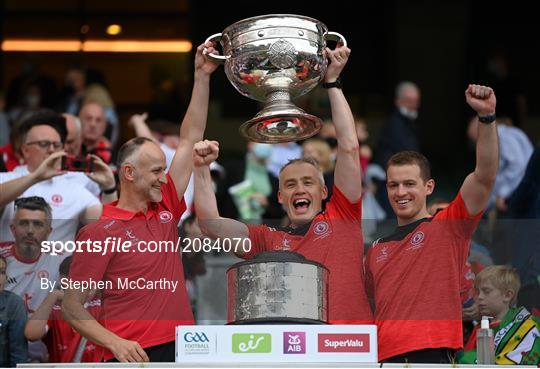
(216, 37)
(334, 36)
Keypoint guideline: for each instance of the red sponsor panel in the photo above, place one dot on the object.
(343, 342)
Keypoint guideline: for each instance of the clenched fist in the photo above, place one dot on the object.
(481, 99)
(205, 152)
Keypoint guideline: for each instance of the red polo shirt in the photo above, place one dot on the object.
(150, 307)
(415, 276)
(334, 239)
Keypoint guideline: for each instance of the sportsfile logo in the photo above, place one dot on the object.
(343, 342)
(196, 343)
(251, 343)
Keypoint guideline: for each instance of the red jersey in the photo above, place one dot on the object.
(415, 276)
(334, 239)
(101, 149)
(11, 161)
(140, 300)
(63, 341)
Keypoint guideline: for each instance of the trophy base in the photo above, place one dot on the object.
(277, 128)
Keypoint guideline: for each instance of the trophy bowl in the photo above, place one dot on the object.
(273, 59)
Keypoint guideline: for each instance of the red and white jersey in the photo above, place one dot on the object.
(63, 341)
(415, 276)
(25, 278)
(66, 196)
(334, 239)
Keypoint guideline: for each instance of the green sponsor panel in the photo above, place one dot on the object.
(251, 343)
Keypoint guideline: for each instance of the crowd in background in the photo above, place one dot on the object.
(36, 123)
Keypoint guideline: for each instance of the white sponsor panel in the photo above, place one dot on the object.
(277, 343)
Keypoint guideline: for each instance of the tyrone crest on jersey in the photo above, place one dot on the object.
(321, 229)
(417, 240)
(165, 216)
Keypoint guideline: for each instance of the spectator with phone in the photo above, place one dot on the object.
(73, 147)
(42, 135)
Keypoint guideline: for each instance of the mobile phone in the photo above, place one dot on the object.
(77, 163)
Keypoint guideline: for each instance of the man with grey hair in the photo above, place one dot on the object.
(399, 131)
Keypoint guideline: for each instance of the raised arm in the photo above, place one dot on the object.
(478, 185)
(347, 175)
(138, 123)
(194, 123)
(84, 323)
(212, 225)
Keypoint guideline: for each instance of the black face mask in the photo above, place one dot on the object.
(332, 141)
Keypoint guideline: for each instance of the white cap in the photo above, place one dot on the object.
(484, 323)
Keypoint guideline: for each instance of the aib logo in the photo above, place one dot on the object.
(248, 343)
(195, 337)
(294, 342)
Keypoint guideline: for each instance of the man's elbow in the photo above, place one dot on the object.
(487, 178)
(210, 227)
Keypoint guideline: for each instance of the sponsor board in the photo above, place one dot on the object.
(276, 343)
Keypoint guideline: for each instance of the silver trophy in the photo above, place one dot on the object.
(275, 58)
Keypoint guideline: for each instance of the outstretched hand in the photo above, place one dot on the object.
(338, 58)
(205, 152)
(481, 99)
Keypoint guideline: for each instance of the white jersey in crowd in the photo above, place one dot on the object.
(84, 181)
(67, 198)
(24, 279)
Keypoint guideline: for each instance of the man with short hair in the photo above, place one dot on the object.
(94, 125)
(414, 274)
(332, 237)
(139, 321)
(42, 137)
(30, 226)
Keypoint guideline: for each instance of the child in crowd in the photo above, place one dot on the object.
(65, 345)
(516, 331)
(13, 346)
